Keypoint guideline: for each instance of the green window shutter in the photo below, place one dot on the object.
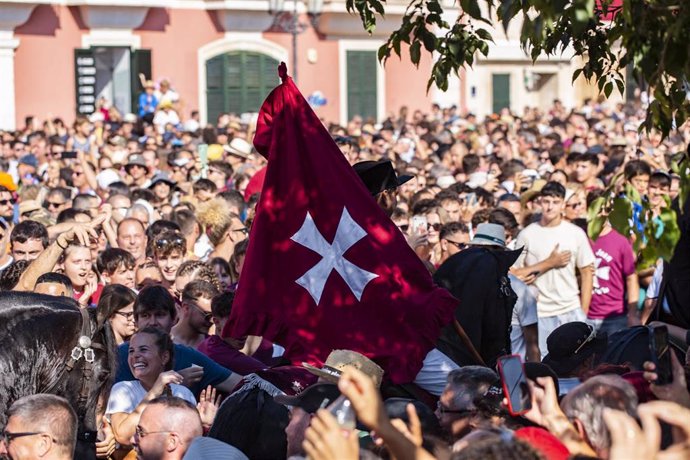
(239, 82)
(500, 91)
(215, 98)
(361, 84)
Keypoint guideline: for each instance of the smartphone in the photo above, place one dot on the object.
(69, 154)
(661, 354)
(203, 157)
(419, 224)
(515, 385)
(471, 199)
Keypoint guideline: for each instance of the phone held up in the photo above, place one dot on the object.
(514, 382)
(419, 224)
(660, 354)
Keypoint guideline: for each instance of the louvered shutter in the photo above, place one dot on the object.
(361, 84)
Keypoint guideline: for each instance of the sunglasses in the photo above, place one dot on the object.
(207, 315)
(457, 244)
(436, 227)
(10, 201)
(53, 204)
(592, 336)
(444, 410)
(404, 228)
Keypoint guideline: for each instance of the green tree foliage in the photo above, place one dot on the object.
(650, 35)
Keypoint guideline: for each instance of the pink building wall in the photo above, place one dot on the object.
(406, 85)
(319, 76)
(44, 62)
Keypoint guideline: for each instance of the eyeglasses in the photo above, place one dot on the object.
(207, 315)
(457, 244)
(141, 434)
(592, 336)
(444, 410)
(436, 227)
(125, 314)
(10, 201)
(8, 437)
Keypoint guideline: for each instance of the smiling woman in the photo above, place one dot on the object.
(150, 360)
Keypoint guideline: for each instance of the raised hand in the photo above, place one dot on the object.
(208, 406)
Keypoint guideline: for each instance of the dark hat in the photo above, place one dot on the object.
(313, 398)
(570, 344)
(29, 160)
(136, 160)
(379, 176)
(162, 177)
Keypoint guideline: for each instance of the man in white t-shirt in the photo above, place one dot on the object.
(560, 298)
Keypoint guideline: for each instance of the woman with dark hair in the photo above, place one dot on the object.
(237, 261)
(222, 269)
(116, 306)
(151, 354)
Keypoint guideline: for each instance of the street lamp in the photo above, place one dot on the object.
(286, 21)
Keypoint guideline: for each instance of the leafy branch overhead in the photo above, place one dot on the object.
(650, 36)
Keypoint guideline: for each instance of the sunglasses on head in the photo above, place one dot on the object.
(162, 242)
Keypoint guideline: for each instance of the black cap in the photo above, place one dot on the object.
(379, 175)
(570, 344)
(313, 398)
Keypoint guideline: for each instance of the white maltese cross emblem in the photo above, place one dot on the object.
(347, 234)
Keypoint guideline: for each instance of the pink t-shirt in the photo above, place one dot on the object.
(614, 262)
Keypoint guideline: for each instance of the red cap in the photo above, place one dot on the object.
(547, 444)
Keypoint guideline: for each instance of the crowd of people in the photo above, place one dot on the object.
(146, 218)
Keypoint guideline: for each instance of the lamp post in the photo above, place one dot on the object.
(288, 22)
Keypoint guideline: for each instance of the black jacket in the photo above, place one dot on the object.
(478, 277)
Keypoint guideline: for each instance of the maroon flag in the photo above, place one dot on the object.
(326, 268)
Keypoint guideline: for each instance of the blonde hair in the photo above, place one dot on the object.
(216, 217)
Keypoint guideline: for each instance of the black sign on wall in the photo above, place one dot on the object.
(85, 81)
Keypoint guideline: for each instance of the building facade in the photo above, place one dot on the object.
(58, 57)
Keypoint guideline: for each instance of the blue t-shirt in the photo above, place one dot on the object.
(214, 374)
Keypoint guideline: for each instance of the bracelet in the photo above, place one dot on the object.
(57, 241)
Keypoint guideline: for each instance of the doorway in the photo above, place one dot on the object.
(113, 82)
